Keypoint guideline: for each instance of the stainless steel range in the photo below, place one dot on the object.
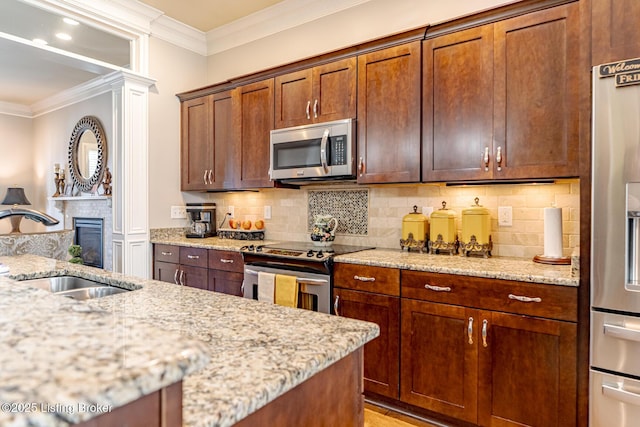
(311, 265)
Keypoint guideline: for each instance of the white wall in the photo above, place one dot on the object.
(176, 70)
(16, 167)
(365, 22)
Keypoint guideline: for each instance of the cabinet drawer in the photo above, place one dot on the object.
(196, 257)
(533, 299)
(380, 280)
(226, 260)
(435, 287)
(166, 253)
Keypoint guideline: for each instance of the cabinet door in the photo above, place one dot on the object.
(196, 145)
(226, 136)
(527, 372)
(334, 91)
(381, 356)
(537, 94)
(293, 99)
(457, 105)
(226, 282)
(389, 115)
(614, 30)
(166, 271)
(196, 277)
(257, 121)
(439, 369)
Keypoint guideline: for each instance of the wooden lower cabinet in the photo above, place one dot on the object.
(488, 368)
(439, 369)
(226, 282)
(381, 363)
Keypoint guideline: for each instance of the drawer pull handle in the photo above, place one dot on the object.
(621, 332)
(175, 277)
(524, 299)
(181, 277)
(226, 261)
(193, 257)
(485, 323)
(621, 395)
(365, 279)
(335, 305)
(470, 330)
(167, 253)
(437, 288)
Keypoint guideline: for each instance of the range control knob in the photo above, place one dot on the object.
(319, 254)
(259, 248)
(310, 253)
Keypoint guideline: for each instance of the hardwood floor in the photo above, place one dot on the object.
(376, 416)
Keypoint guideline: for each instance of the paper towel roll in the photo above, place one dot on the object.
(553, 232)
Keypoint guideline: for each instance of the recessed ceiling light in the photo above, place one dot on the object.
(39, 41)
(70, 21)
(63, 36)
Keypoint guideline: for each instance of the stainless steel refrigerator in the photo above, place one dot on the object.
(615, 247)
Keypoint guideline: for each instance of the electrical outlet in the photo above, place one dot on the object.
(178, 212)
(267, 212)
(232, 211)
(505, 216)
(427, 211)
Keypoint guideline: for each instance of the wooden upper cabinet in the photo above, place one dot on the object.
(196, 146)
(319, 94)
(458, 105)
(256, 103)
(226, 134)
(536, 100)
(389, 98)
(614, 30)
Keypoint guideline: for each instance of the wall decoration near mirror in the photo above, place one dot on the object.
(87, 154)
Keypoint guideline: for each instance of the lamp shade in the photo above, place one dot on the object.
(15, 196)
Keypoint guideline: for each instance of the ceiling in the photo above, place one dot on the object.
(205, 15)
(30, 73)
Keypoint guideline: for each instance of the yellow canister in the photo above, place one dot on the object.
(476, 222)
(416, 224)
(443, 223)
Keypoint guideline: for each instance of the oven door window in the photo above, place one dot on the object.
(297, 154)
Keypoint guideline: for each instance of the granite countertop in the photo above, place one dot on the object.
(518, 269)
(64, 361)
(257, 351)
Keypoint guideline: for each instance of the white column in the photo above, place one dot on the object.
(131, 248)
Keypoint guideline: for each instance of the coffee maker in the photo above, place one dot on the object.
(203, 219)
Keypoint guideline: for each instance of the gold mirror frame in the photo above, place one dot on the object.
(87, 124)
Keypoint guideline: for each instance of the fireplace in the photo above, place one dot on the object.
(88, 234)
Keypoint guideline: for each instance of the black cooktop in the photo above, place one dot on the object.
(333, 249)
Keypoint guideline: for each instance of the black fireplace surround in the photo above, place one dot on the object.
(89, 235)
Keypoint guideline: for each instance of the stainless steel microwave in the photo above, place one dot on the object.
(314, 152)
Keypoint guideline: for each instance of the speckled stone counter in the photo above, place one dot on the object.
(494, 268)
(208, 242)
(258, 351)
(52, 244)
(63, 361)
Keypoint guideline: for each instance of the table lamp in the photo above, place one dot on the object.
(15, 196)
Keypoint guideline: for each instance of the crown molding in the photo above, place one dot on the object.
(277, 18)
(12, 109)
(179, 34)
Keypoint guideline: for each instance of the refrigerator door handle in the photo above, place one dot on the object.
(621, 395)
(621, 332)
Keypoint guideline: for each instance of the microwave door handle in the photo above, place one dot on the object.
(323, 151)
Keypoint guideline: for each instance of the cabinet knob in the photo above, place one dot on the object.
(335, 305)
(166, 253)
(525, 299)
(193, 257)
(308, 110)
(226, 261)
(437, 288)
(175, 277)
(470, 330)
(361, 166)
(315, 109)
(364, 279)
(204, 177)
(499, 158)
(485, 323)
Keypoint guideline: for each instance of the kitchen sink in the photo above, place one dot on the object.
(75, 287)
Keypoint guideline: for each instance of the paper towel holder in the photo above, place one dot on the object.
(552, 260)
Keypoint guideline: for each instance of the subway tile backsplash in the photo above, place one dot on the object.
(373, 215)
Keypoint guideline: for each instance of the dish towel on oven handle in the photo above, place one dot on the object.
(286, 290)
(266, 286)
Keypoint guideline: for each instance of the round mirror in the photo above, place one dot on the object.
(87, 154)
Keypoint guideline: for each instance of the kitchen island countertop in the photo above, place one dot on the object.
(257, 351)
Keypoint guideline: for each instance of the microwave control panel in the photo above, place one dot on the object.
(338, 150)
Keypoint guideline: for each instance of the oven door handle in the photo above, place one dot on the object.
(621, 332)
(299, 279)
(323, 151)
(620, 394)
